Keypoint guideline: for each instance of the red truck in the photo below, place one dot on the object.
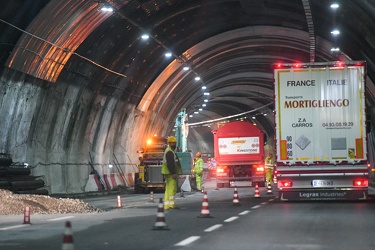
(239, 152)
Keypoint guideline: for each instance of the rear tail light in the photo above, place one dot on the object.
(220, 170)
(260, 169)
(360, 183)
(286, 184)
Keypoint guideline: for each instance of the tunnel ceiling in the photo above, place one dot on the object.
(230, 45)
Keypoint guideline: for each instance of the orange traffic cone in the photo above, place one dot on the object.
(205, 212)
(269, 188)
(119, 202)
(257, 193)
(151, 197)
(68, 237)
(236, 201)
(160, 218)
(26, 217)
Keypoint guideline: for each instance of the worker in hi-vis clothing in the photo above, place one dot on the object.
(269, 167)
(171, 168)
(198, 170)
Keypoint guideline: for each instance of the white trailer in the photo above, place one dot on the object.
(320, 131)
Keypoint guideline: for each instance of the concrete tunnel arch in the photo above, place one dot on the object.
(113, 126)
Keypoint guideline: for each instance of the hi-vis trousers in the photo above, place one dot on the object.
(170, 191)
(269, 173)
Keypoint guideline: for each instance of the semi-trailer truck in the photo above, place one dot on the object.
(239, 153)
(320, 131)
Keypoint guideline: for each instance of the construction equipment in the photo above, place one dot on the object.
(149, 169)
(149, 175)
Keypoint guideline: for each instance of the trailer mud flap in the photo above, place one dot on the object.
(323, 195)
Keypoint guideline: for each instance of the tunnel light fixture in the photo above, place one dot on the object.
(253, 117)
(334, 6)
(145, 37)
(186, 68)
(196, 112)
(168, 54)
(197, 78)
(106, 9)
(206, 93)
(204, 87)
(335, 49)
(335, 32)
(200, 109)
(204, 105)
(205, 100)
(110, 165)
(190, 116)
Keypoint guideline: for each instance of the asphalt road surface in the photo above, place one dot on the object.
(256, 223)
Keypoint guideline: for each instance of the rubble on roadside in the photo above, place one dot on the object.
(14, 204)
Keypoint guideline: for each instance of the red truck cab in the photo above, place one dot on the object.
(239, 152)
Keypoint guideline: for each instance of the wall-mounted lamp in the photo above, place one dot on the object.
(335, 32)
(107, 9)
(145, 37)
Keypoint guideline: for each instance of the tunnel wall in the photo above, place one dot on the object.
(57, 128)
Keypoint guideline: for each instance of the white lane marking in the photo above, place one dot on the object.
(61, 218)
(210, 229)
(244, 212)
(231, 219)
(188, 241)
(13, 227)
(255, 207)
(263, 203)
(271, 199)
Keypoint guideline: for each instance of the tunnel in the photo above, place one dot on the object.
(85, 83)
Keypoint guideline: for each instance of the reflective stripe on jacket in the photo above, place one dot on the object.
(177, 166)
(269, 162)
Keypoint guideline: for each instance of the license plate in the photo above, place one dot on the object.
(322, 183)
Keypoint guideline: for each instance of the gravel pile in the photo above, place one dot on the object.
(39, 204)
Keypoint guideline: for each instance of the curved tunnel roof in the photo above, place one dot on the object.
(77, 52)
(226, 43)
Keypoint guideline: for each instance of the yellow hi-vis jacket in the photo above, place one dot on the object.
(172, 167)
(269, 162)
(198, 166)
